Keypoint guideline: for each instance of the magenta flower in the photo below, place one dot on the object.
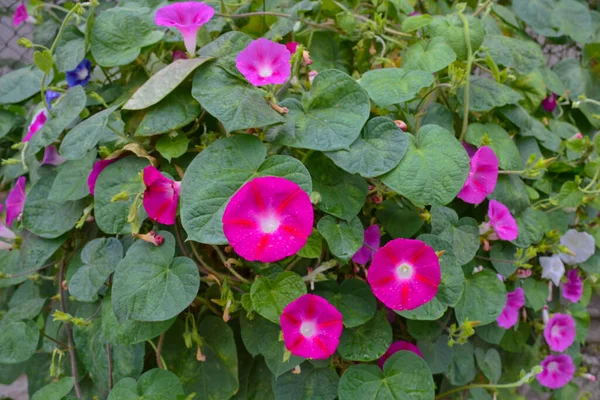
(502, 221)
(161, 196)
(187, 17)
(96, 170)
(549, 103)
(510, 314)
(482, 177)
(15, 201)
(560, 332)
(558, 371)
(395, 347)
(264, 62)
(573, 289)
(311, 327)
(470, 149)
(268, 219)
(370, 246)
(38, 121)
(291, 46)
(179, 55)
(405, 274)
(51, 156)
(21, 15)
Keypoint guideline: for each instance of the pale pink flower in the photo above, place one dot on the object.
(21, 15)
(268, 219)
(395, 347)
(401, 125)
(371, 244)
(573, 289)
(161, 196)
(311, 327)
(264, 62)
(482, 177)
(187, 17)
(15, 201)
(38, 121)
(51, 156)
(557, 371)
(510, 314)
(502, 221)
(560, 332)
(6, 235)
(96, 170)
(405, 274)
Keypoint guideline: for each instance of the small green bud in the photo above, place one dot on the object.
(315, 198)
(122, 196)
(24, 42)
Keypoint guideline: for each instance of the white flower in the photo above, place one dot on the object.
(553, 268)
(580, 243)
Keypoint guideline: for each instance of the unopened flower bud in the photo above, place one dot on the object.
(401, 125)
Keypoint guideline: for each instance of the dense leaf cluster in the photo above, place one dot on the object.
(371, 124)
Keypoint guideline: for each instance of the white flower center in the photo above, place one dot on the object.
(265, 71)
(82, 73)
(553, 366)
(555, 331)
(404, 271)
(308, 329)
(269, 224)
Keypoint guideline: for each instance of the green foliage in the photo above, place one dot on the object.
(100, 298)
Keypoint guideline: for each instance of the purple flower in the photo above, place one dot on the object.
(37, 122)
(549, 103)
(21, 15)
(510, 314)
(81, 74)
(291, 46)
(51, 156)
(15, 201)
(560, 332)
(179, 55)
(51, 95)
(502, 221)
(395, 347)
(187, 17)
(370, 246)
(573, 289)
(558, 371)
(264, 62)
(96, 170)
(482, 176)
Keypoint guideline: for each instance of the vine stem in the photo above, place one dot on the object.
(525, 379)
(110, 367)
(63, 306)
(158, 355)
(228, 266)
(276, 14)
(465, 124)
(159, 359)
(483, 7)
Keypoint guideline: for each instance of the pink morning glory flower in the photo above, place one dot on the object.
(549, 103)
(179, 55)
(573, 289)
(371, 245)
(482, 177)
(96, 170)
(510, 314)
(15, 201)
(405, 274)
(161, 196)
(560, 332)
(582, 244)
(264, 62)
(557, 371)
(38, 121)
(291, 46)
(51, 156)
(187, 17)
(502, 221)
(311, 327)
(395, 347)
(21, 15)
(268, 219)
